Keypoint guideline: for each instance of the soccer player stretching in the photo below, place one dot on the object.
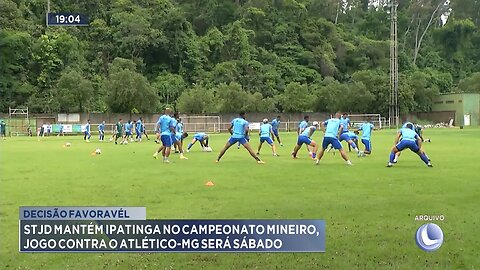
(275, 125)
(332, 128)
(304, 138)
(201, 137)
(167, 128)
(345, 122)
(266, 132)
(410, 140)
(366, 129)
(177, 139)
(239, 130)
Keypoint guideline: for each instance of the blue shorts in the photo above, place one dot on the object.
(174, 138)
(266, 139)
(128, 133)
(368, 145)
(344, 137)
(86, 133)
(333, 141)
(241, 141)
(303, 140)
(412, 145)
(166, 140)
(275, 132)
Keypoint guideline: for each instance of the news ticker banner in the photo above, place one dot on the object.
(126, 229)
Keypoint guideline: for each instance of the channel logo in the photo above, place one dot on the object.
(429, 237)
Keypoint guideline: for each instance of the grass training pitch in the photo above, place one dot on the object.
(369, 209)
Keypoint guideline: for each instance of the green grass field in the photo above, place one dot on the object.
(369, 209)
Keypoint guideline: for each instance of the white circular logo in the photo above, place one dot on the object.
(429, 237)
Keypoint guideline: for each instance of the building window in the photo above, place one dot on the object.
(460, 101)
(449, 101)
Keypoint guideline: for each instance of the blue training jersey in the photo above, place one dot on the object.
(265, 130)
(240, 126)
(174, 124)
(199, 135)
(366, 129)
(302, 126)
(306, 132)
(101, 127)
(87, 127)
(332, 127)
(179, 128)
(165, 123)
(408, 134)
(345, 122)
(139, 126)
(275, 123)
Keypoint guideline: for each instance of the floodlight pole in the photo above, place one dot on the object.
(394, 110)
(48, 11)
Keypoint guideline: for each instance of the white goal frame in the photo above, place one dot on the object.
(207, 123)
(375, 118)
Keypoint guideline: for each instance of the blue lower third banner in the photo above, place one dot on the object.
(172, 236)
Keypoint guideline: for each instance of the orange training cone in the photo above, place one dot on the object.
(209, 184)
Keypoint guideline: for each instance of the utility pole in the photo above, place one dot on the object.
(48, 11)
(394, 110)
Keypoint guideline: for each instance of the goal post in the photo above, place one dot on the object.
(18, 122)
(375, 118)
(210, 124)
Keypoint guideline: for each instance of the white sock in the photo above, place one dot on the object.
(349, 162)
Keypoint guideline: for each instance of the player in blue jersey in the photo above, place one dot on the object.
(305, 138)
(61, 132)
(303, 125)
(332, 129)
(178, 136)
(144, 128)
(128, 127)
(407, 138)
(367, 129)
(86, 132)
(202, 138)
(138, 130)
(239, 129)
(406, 125)
(166, 128)
(101, 131)
(275, 125)
(266, 134)
(345, 122)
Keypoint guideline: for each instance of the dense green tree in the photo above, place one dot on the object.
(128, 90)
(270, 55)
(73, 92)
(296, 98)
(197, 100)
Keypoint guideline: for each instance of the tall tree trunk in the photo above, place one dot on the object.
(418, 41)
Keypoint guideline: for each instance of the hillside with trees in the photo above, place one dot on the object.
(202, 56)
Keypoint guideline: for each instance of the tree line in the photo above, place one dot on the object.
(202, 56)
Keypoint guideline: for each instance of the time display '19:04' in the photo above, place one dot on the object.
(67, 19)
